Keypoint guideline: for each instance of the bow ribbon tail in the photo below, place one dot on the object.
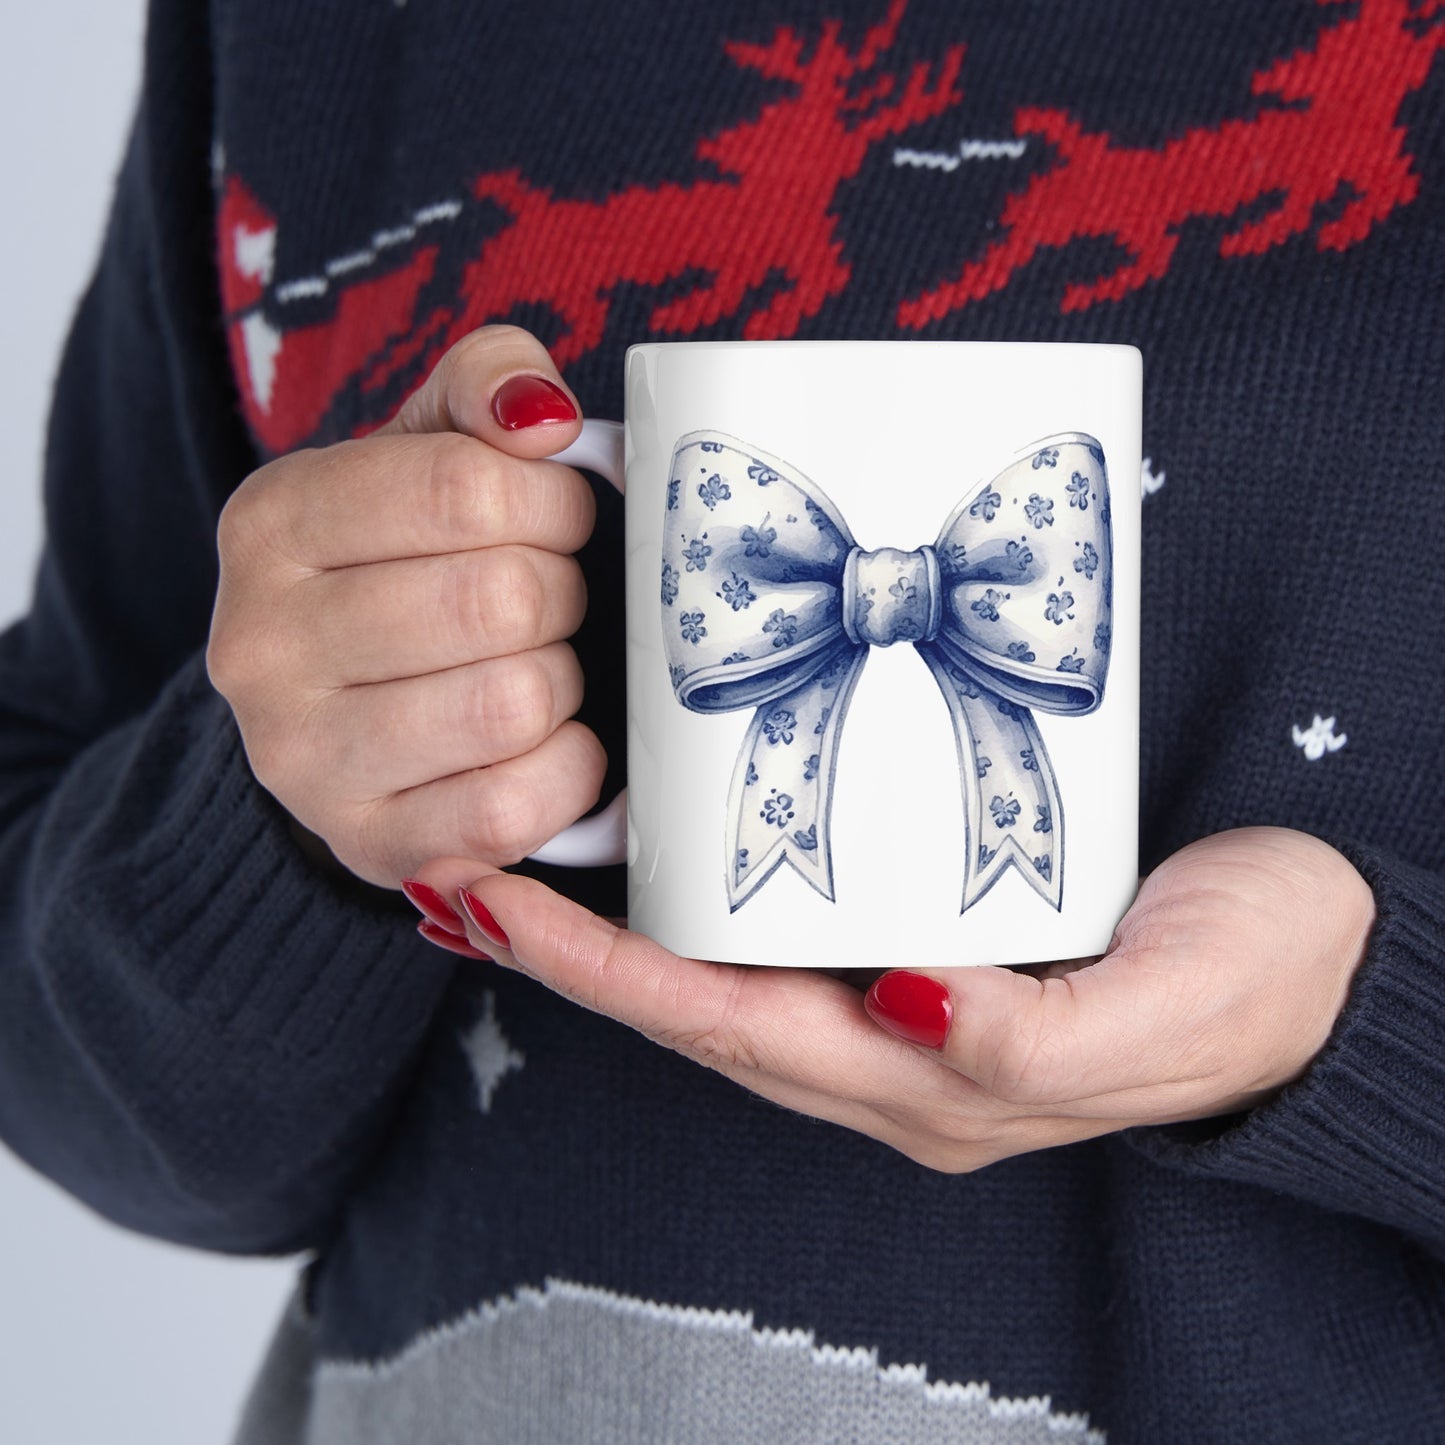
(782, 789)
(1011, 801)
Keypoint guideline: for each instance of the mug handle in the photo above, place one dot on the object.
(602, 838)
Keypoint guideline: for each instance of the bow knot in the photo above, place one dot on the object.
(891, 596)
(769, 603)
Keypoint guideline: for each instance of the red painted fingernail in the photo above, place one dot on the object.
(912, 1007)
(434, 906)
(450, 941)
(481, 915)
(523, 401)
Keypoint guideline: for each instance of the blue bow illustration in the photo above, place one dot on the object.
(769, 603)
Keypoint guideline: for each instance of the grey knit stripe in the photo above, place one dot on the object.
(571, 1363)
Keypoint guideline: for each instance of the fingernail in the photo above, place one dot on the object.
(434, 906)
(450, 941)
(914, 1008)
(481, 916)
(523, 401)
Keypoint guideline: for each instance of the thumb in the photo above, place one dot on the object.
(1027, 1040)
(499, 385)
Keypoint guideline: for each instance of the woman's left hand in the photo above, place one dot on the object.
(1221, 984)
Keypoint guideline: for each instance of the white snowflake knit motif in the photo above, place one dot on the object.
(1319, 738)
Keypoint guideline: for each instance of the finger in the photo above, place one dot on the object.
(418, 615)
(795, 1035)
(403, 734)
(1075, 1041)
(390, 497)
(498, 814)
(498, 385)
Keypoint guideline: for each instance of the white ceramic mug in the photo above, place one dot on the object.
(882, 650)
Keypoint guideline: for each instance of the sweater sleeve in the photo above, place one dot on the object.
(200, 1036)
(1362, 1132)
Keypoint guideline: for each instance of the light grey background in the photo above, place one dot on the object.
(104, 1336)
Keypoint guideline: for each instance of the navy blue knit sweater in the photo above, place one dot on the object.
(527, 1222)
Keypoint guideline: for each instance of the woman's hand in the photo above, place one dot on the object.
(390, 620)
(1222, 982)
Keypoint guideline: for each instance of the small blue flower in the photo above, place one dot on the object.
(713, 491)
(692, 629)
(963, 683)
(1030, 762)
(1058, 607)
(697, 552)
(810, 768)
(986, 855)
(816, 515)
(758, 541)
(983, 764)
(807, 838)
(1072, 663)
(1018, 555)
(1087, 562)
(742, 860)
(1078, 490)
(954, 557)
(987, 605)
(677, 672)
(1040, 510)
(763, 476)
(779, 724)
(778, 809)
(735, 657)
(1010, 709)
(1045, 866)
(737, 594)
(783, 626)
(1045, 823)
(1005, 811)
(712, 446)
(905, 592)
(1101, 637)
(822, 722)
(986, 506)
(672, 490)
(1020, 652)
(752, 775)
(669, 584)
(1048, 457)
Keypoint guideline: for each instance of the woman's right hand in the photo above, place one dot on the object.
(389, 627)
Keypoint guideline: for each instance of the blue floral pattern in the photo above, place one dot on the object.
(763, 476)
(1087, 561)
(783, 626)
(1044, 866)
(1078, 490)
(1101, 637)
(737, 594)
(1040, 510)
(1058, 607)
(1045, 823)
(735, 657)
(697, 552)
(779, 724)
(713, 491)
(810, 768)
(673, 487)
(712, 446)
(807, 838)
(669, 584)
(1021, 652)
(987, 606)
(692, 629)
(758, 541)
(677, 673)
(985, 508)
(1027, 758)
(777, 809)
(1047, 457)
(1005, 811)
(1072, 663)
(982, 765)
(1019, 556)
